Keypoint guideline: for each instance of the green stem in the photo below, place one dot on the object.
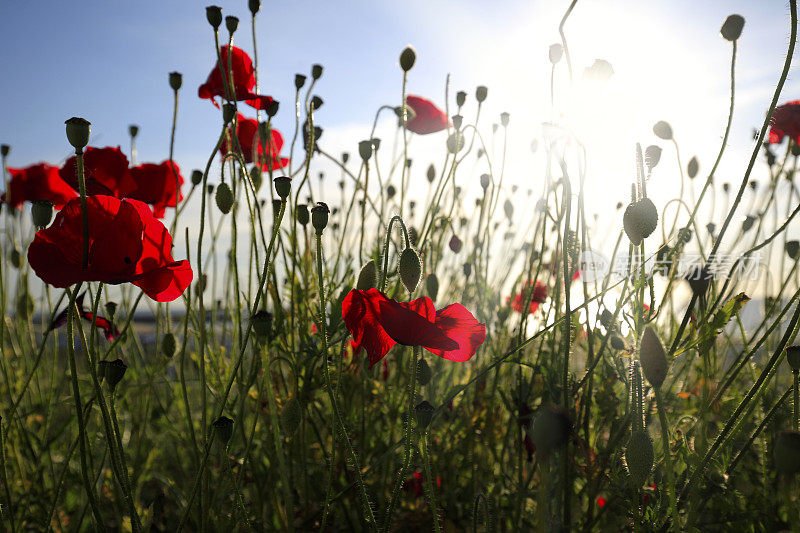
(430, 486)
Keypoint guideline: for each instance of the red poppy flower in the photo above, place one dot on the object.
(244, 79)
(105, 171)
(126, 244)
(415, 484)
(37, 182)
(539, 296)
(601, 502)
(377, 323)
(249, 140)
(427, 118)
(785, 121)
(155, 184)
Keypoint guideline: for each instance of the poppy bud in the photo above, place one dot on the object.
(607, 319)
(291, 417)
(550, 428)
(232, 23)
(747, 223)
(257, 177)
(485, 181)
(432, 285)
(4, 149)
(316, 102)
(301, 212)
(652, 155)
(461, 97)
(711, 227)
(262, 324)
(455, 244)
(16, 258)
(467, 269)
(684, 235)
(223, 429)
(410, 268)
(455, 142)
(793, 357)
(41, 212)
(224, 198)
(391, 191)
(175, 80)
(214, 16)
(376, 143)
(299, 81)
(431, 173)
(663, 130)
(457, 119)
(202, 283)
(424, 414)
(283, 186)
(316, 71)
(480, 93)
(699, 279)
(412, 232)
(639, 456)
(640, 220)
(78, 130)
(617, 343)
(254, 5)
(508, 207)
(787, 452)
(732, 27)
(168, 345)
(407, 58)
(792, 247)
(133, 130)
(365, 150)
(556, 51)
(197, 177)
(504, 119)
(319, 216)
(228, 112)
(653, 358)
(112, 371)
(368, 277)
(424, 372)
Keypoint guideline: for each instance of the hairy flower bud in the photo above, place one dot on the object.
(653, 358)
(410, 269)
(112, 371)
(368, 277)
(224, 198)
(262, 324)
(168, 345)
(639, 456)
(432, 286)
(407, 58)
(424, 414)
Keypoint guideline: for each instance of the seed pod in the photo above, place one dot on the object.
(254, 5)
(640, 220)
(663, 130)
(787, 452)
(291, 417)
(41, 213)
(319, 217)
(424, 372)
(653, 358)
(224, 198)
(78, 130)
(365, 150)
(112, 371)
(480, 93)
(4, 149)
(639, 456)
(316, 71)
(283, 186)
(197, 177)
(301, 211)
(228, 112)
(410, 268)
(732, 27)
(455, 142)
(299, 81)
(455, 244)
(432, 285)
(168, 345)
(223, 429)
(407, 58)
(214, 16)
(262, 324)
(368, 277)
(175, 80)
(550, 429)
(133, 130)
(792, 248)
(461, 97)
(231, 23)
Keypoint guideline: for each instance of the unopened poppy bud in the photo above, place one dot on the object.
(555, 52)
(431, 173)
(407, 58)
(480, 93)
(639, 456)
(461, 97)
(508, 207)
(485, 179)
(467, 269)
(283, 186)
(42, 213)
(455, 244)
(693, 167)
(197, 177)
(365, 150)
(254, 5)
(175, 80)
(432, 285)
(410, 269)
(424, 372)
(368, 277)
(223, 429)
(640, 220)
(663, 130)
(726, 188)
(299, 81)
(319, 216)
(316, 71)
(391, 191)
(113, 372)
(4, 149)
(16, 258)
(301, 212)
(504, 119)
(316, 102)
(617, 343)
(228, 112)
(232, 23)
(607, 319)
(653, 358)
(257, 177)
(792, 248)
(550, 429)
(168, 345)
(732, 27)
(78, 130)
(214, 16)
(291, 417)
(262, 324)
(133, 130)
(793, 357)
(684, 235)
(424, 414)
(455, 142)
(457, 119)
(747, 223)
(787, 452)
(412, 231)
(224, 198)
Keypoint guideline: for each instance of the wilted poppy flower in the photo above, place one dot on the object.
(126, 244)
(415, 485)
(105, 171)
(37, 182)
(425, 116)
(538, 296)
(252, 149)
(109, 331)
(244, 79)
(377, 323)
(785, 121)
(155, 184)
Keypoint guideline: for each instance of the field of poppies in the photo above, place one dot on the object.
(398, 358)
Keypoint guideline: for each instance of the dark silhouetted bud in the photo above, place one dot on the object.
(316, 102)
(455, 243)
(224, 198)
(508, 208)
(663, 130)
(639, 456)
(617, 343)
(197, 177)
(693, 167)
(424, 414)
(228, 112)
(640, 220)
(485, 179)
(319, 217)
(793, 357)
(41, 213)
(480, 93)
(316, 71)
(787, 452)
(299, 81)
(4, 149)
(684, 235)
(368, 277)
(272, 108)
(550, 429)
(257, 177)
(711, 227)
(653, 358)
(254, 5)
(133, 130)
(424, 372)
(262, 324)
(555, 52)
(302, 214)
(376, 143)
(432, 286)
(214, 16)
(747, 223)
(291, 417)
(391, 191)
(431, 173)
(792, 247)
(699, 279)
(232, 23)
(732, 27)
(78, 130)
(407, 58)
(283, 186)
(457, 120)
(410, 269)
(726, 188)
(467, 269)
(175, 80)
(223, 429)
(461, 97)
(365, 150)
(345, 157)
(168, 345)
(112, 371)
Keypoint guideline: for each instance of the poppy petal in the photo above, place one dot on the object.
(458, 324)
(412, 324)
(361, 315)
